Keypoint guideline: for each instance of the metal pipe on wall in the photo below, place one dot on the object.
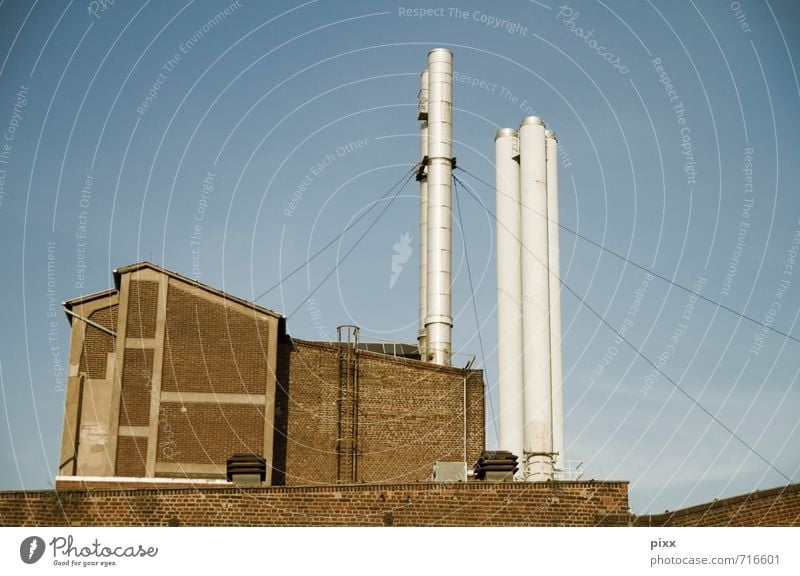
(538, 416)
(439, 320)
(509, 292)
(422, 177)
(556, 367)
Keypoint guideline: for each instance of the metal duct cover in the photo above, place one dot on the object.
(449, 471)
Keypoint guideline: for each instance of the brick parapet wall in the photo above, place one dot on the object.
(774, 507)
(409, 504)
(410, 414)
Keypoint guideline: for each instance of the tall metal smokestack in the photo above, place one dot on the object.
(556, 367)
(538, 415)
(439, 321)
(509, 291)
(422, 177)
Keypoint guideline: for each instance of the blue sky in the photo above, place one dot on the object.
(678, 126)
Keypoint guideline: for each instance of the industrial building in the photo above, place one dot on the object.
(169, 378)
(180, 394)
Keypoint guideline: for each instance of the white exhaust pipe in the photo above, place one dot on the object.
(556, 367)
(538, 415)
(439, 320)
(422, 176)
(509, 292)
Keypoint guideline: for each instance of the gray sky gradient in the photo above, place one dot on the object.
(678, 125)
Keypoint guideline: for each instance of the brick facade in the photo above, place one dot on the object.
(210, 348)
(194, 375)
(142, 307)
(409, 414)
(774, 507)
(415, 504)
(411, 504)
(98, 344)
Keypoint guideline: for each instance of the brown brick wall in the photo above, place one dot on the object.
(774, 507)
(208, 433)
(306, 414)
(131, 456)
(142, 309)
(416, 504)
(213, 348)
(413, 415)
(134, 407)
(410, 414)
(97, 344)
(420, 504)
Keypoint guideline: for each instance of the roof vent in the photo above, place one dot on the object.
(496, 466)
(247, 469)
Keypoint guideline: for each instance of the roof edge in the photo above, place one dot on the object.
(72, 302)
(118, 272)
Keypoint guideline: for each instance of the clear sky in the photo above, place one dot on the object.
(679, 128)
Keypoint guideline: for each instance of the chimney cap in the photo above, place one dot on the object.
(550, 134)
(440, 54)
(505, 132)
(532, 120)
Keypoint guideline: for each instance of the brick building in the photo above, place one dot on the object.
(169, 377)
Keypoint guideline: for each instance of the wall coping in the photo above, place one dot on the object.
(326, 488)
(388, 358)
(722, 503)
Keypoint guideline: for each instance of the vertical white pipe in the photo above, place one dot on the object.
(422, 116)
(509, 292)
(439, 321)
(538, 434)
(556, 367)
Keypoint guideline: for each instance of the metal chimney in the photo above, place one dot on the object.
(556, 367)
(538, 415)
(509, 291)
(422, 177)
(439, 320)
